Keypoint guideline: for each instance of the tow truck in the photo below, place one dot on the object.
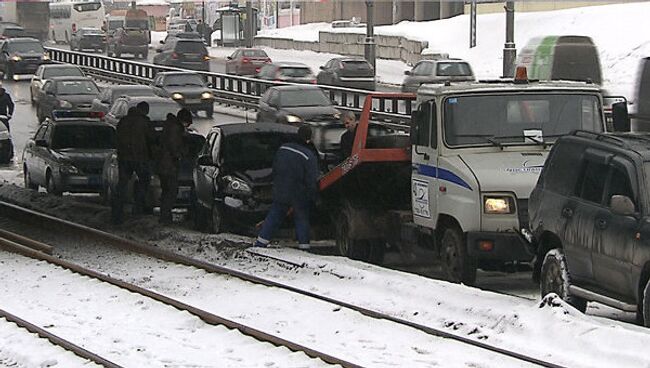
(454, 184)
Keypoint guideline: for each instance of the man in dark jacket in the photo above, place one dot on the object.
(347, 139)
(134, 140)
(172, 147)
(295, 185)
(6, 107)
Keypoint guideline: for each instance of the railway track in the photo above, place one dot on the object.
(22, 214)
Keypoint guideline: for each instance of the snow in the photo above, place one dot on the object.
(619, 31)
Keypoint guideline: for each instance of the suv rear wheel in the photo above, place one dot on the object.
(555, 278)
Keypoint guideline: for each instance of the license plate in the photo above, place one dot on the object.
(192, 101)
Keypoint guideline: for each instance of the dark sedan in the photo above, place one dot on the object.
(233, 174)
(187, 88)
(304, 104)
(67, 154)
(21, 56)
(287, 72)
(66, 93)
(47, 71)
(88, 38)
(347, 72)
(183, 53)
(109, 95)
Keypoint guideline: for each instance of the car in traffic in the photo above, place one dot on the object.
(67, 152)
(110, 94)
(590, 221)
(88, 39)
(233, 177)
(183, 53)
(347, 72)
(437, 71)
(12, 31)
(21, 56)
(47, 71)
(182, 34)
(304, 104)
(287, 72)
(187, 88)
(128, 40)
(66, 93)
(245, 61)
(6, 145)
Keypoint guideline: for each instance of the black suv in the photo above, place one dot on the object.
(21, 56)
(183, 53)
(590, 219)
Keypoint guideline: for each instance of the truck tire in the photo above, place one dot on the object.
(366, 250)
(555, 278)
(458, 266)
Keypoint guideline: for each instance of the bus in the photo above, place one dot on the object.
(68, 16)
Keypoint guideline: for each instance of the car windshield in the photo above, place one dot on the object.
(90, 31)
(518, 119)
(454, 69)
(356, 65)
(67, 71)
(83, 87)
(304, 97)
(252, 150)
(83, 137)
(295, 72)
(131, 92)
(191, 47)
(158, 110)
(34, 47)
(136, 23)
(184, 80)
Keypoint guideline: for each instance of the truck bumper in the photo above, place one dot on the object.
(498, 246)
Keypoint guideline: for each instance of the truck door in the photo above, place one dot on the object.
(424, 181)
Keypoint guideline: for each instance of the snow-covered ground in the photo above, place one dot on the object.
(619, 31)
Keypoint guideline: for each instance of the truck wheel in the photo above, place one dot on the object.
(457, 264)
(555, 278)
(371, 251)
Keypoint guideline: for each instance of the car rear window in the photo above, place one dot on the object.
(356, 65)
(14, 32)
(191, 47)
(454, 69)
(84, 87)
(83, 137)
(62, 72)
(131, 92)
(295, 72)
(254, 53)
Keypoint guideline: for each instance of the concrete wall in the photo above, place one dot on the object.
(351, 44)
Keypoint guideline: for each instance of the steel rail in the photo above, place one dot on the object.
(22, 214)
(207, 317)
(56, 340)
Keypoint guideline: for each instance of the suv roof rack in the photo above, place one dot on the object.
(622, 140)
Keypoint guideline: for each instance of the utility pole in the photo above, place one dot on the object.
(509, 49)
(472, 24)
(369, 49)
(250, 23)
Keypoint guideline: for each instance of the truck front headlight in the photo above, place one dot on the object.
(294, 119)
(498, 205)
(177, 96)
(206, 95)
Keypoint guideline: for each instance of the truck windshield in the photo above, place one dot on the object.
(518, 119)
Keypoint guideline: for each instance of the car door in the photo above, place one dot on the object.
(36, 83)
(614, 234)
(424, 72)
(157, 86)
(264, 112)
(578, 214)
(31, 155)
(424, 178)
(46, 102)
(324, 76)
(40, 155)
(203, 175)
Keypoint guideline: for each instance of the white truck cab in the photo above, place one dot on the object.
(477, 151)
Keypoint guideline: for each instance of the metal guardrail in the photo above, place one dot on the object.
(228, 89)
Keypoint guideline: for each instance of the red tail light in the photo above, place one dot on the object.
(268, 60)
(174, 56)
(96, 114)
(74, 27)
(245, 60)
(313, 81)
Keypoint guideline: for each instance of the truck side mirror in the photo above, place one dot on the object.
(622, 205)
(407, 72)
(416, 116)
(620, 117)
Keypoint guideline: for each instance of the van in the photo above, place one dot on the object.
(573, 58)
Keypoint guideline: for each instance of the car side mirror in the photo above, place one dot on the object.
(622, 205)
(322, 67)
(620, 117)
(229, 57)
(205, 160)
(162, 42)
(41, 143)
(407, 72)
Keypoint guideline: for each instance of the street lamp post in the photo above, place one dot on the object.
(509, 49)
(369, 49)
